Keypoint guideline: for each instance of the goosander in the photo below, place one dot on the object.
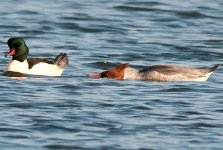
(34, 66)
(159, 73)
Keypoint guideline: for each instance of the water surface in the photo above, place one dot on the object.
(75, 112)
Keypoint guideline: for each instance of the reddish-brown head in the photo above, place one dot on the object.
(117, 73)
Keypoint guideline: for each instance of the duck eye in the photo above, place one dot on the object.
(105, 75)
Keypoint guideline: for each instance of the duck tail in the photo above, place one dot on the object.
(212, 69)
(61, 60)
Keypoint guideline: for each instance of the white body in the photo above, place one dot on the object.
(38, 69)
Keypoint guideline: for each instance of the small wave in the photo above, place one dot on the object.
(184, 89)
(191, 15)
(62, 146)
(28, 12)
(204, 125)
(140, 9)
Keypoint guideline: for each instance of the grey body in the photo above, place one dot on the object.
(166, 73)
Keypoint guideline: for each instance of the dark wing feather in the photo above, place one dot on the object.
(34, 61)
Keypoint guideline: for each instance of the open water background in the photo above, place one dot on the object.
(76, 112)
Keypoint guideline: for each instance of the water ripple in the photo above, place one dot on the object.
(77, 112)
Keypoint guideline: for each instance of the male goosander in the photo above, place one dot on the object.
(159, 73)
(34, 66)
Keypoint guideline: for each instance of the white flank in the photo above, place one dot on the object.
(204, 78)
(38, 69)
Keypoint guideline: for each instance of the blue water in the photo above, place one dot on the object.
(76, 112)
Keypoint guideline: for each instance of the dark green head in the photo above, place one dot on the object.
(17, 49)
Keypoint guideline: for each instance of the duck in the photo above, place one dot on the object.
(157, 73)
(20, 62)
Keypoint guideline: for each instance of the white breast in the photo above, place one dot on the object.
(17, 66)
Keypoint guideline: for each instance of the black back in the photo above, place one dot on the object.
(34, 61)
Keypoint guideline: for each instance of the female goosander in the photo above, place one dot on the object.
(159, 73)
(34, 66)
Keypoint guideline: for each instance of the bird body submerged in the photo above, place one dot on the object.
(159, 73)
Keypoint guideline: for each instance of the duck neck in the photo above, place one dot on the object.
(131, 74)
(22, 54)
